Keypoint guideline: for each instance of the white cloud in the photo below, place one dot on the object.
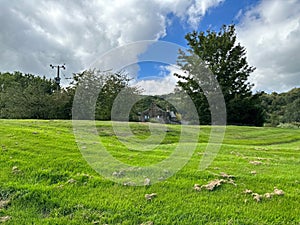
(39, 32)
(164, 83)
(270, 32)
(198, 10)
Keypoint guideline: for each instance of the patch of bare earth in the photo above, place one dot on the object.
(212, 185)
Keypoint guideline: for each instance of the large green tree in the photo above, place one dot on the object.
(97, 90)
(226, 60)
(34, 97)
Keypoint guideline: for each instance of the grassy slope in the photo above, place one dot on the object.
(46, 157)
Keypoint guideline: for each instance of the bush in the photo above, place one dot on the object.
(294, 125)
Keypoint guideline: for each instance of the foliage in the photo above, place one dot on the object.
(97, 91)
(294, 125)
(282, 108)
(32, 97)
(29, 96)
(213, 54)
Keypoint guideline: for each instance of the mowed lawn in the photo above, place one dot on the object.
(44, 178)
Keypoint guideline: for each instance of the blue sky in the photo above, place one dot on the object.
(226, 12)
(78, 33)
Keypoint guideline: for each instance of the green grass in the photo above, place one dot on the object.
(46, 157)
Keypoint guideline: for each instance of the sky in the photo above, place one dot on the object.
(37, 33)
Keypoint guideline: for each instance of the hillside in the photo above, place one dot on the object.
(44, 178)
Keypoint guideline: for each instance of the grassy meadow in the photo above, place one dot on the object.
(44, 178)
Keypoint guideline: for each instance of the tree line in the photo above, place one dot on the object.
(25, 96)
(211, 55)
(282, 108)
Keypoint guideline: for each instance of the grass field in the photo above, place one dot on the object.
(44, 179)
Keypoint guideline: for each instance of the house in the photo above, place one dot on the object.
(155, 113)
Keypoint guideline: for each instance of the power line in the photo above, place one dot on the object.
(65, 76)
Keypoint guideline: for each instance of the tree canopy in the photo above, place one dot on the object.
(226, 60)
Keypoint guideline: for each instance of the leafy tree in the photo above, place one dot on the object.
(226, 59)
(29, 96)
(292, 112)
(281, 108)
(86, 87)
(98, 91)
(113, 85)
(61, 104)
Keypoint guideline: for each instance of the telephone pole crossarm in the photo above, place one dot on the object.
(57, 78)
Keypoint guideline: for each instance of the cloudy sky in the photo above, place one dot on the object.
(37, 33)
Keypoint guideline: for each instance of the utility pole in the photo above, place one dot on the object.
(57, 78)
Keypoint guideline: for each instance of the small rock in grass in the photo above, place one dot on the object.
(129, 183)
(34, 132)
(230, 181)
(5, 218)
(60, 186)
(4, 203)
(161, 178)
(166, 171)
(247, 191)
(268, 195)
(85, 175)
(255, 162)
(71, 181)
(278, 192)
(257, 197)
(213, 184)
(15, 169)
(197, 187)
(150, 196)
(147, 182)
(253, 172)
(224, 175)
(118, 173)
